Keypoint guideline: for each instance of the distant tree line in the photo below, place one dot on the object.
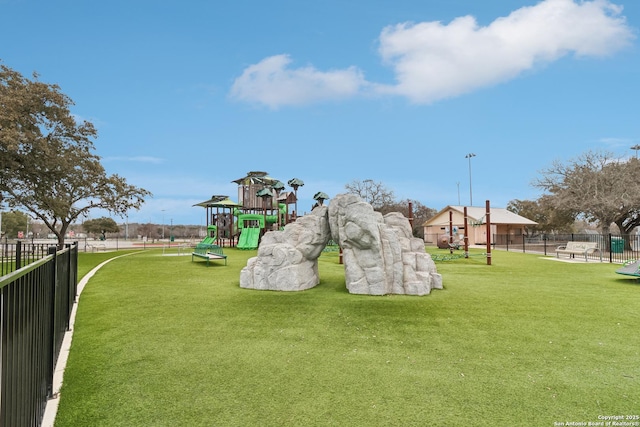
(18, 225)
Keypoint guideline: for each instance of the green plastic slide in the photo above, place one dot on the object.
(249, 238)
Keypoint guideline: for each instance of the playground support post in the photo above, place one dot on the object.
(488, 220)
(450, 231)
(466, 235)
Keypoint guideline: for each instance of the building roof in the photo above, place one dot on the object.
(477, 215)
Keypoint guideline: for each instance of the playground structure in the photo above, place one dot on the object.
(452, 242)
(212, 235)
(262, 206)
(252, 226)
(209, 242)
(630, 268)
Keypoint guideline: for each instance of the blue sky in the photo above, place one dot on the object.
(188, 96)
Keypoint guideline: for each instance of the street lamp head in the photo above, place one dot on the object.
(470, 155)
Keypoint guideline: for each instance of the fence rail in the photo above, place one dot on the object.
(14, 255)
(36, 302)
(614, 248)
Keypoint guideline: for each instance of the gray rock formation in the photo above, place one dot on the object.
(287, 260)
(379, 253)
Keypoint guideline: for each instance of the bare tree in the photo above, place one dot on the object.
(372, 192)
(382, 200)
(629, 217)
(148, 230)
(419, 213)
(598, 186)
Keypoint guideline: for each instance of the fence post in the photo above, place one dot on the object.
(52, 250)
(18, 255)
(488, 220)
(610, 249)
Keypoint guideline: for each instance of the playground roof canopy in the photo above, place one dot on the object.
(218, 202)
(295, 183)
(256, 177)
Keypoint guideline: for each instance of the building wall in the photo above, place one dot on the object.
(440, 226)
(477, 233)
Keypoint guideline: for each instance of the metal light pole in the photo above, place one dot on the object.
(636, 148)
(469, 156)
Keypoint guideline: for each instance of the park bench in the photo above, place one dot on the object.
(578, 248)
(209, 252)
(97, 247)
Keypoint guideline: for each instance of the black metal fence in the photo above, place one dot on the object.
(14, 255)
(36, 302)
(613, 248)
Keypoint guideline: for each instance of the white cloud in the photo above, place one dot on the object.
(616, 143)
(434, 61)
(137, 159)
(271, 82)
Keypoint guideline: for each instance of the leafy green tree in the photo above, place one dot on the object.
(550, 219)
(47, 162)
(13, 222)
(101, 226)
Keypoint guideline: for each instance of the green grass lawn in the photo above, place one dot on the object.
(163, 341)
